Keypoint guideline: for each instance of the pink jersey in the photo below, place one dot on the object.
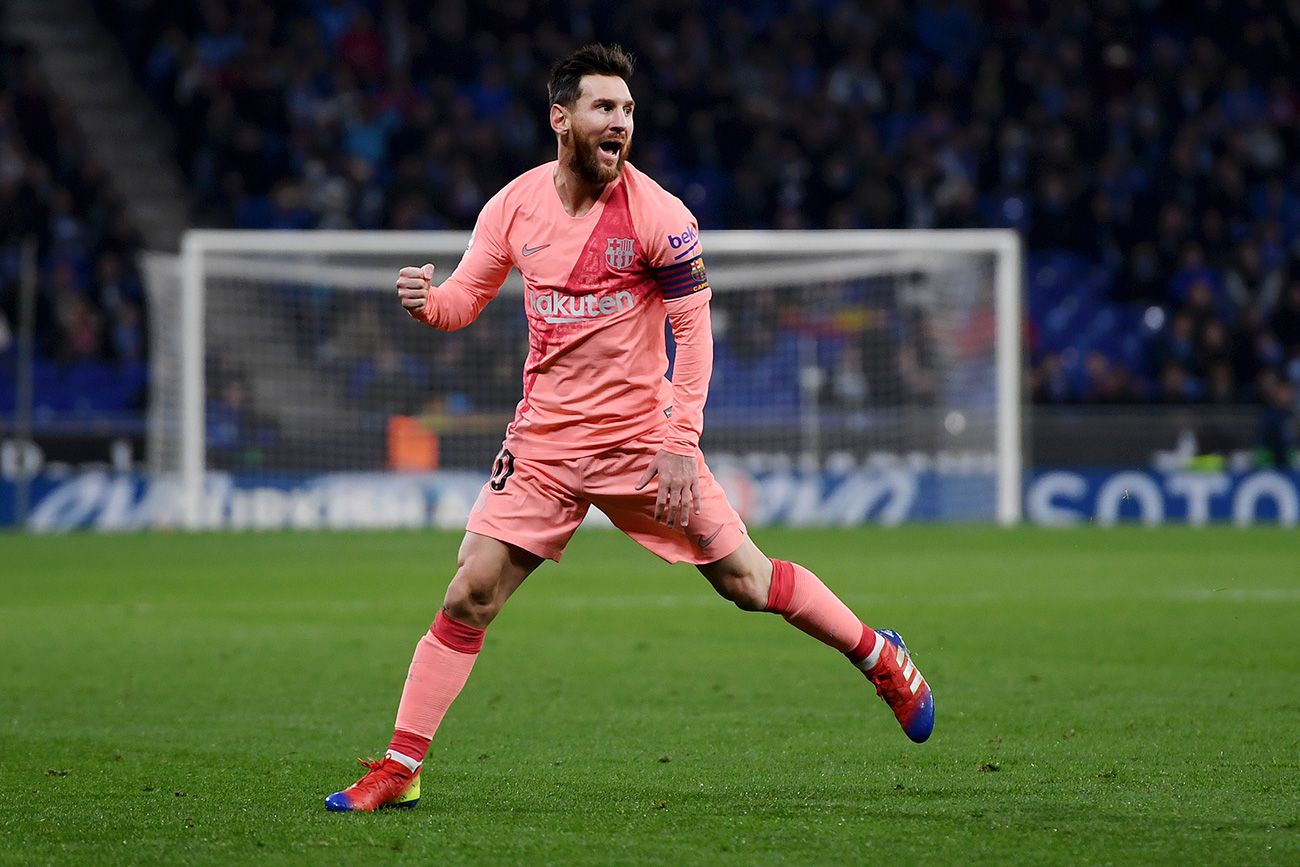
(596, 290)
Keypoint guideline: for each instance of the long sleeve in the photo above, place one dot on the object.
(692, 368)
(460, 299)
(477, 279)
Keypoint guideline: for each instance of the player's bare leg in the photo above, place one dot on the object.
(487, 573)
(755, 583)
(743, 577)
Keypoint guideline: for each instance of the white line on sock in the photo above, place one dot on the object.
(411, 764)
(874, 656)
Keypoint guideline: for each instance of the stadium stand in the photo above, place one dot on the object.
(91, 347)
(1146, 151)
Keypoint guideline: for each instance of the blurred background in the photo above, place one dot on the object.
(1145, 151)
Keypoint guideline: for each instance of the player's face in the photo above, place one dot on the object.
(600, 128)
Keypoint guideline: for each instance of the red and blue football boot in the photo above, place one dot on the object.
(387, 783)
(901, 685)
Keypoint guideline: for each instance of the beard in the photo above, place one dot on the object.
(586, 162)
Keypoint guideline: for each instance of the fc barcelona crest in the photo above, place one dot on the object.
(698, 274)
(619, 254)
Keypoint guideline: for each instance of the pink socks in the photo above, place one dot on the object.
(441, 665)
(802, 599)
(446, 653)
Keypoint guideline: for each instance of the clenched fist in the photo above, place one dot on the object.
(413, 286)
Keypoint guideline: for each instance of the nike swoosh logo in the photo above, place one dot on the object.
(705, 541)
(528, 251)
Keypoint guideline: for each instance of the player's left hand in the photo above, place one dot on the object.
(679, 487)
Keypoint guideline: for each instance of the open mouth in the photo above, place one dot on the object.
(613, 147)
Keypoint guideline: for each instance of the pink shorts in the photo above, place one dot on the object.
(537, 505)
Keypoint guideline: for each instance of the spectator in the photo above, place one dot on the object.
(1177, 385)
(361, 49)
(128, 338)
(1279, 426)
(1250, 283)
(238, 436)
(82, 330)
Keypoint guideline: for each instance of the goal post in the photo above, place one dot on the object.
(284, 354)
(1004, 246)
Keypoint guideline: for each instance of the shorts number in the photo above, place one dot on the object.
(502, 468)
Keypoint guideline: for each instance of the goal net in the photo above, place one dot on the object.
(858, 377)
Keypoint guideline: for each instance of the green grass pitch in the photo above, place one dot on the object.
(1121, 696)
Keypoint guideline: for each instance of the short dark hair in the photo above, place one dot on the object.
(594, 59)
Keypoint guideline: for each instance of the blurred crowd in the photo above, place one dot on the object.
(91, 344)
(1145, 149)
(1152, 140)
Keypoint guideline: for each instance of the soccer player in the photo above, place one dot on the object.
(605, 254)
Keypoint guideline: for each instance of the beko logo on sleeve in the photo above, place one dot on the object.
(684, 239)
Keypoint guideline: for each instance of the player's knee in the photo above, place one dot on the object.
(746, 590)
(743, 578)
(472, 597)
(471, 605)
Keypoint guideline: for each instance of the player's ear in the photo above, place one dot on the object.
(559, 119)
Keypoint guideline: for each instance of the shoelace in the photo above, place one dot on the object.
(372, 779)
(890, 685)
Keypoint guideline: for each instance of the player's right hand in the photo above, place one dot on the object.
(414, 286)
